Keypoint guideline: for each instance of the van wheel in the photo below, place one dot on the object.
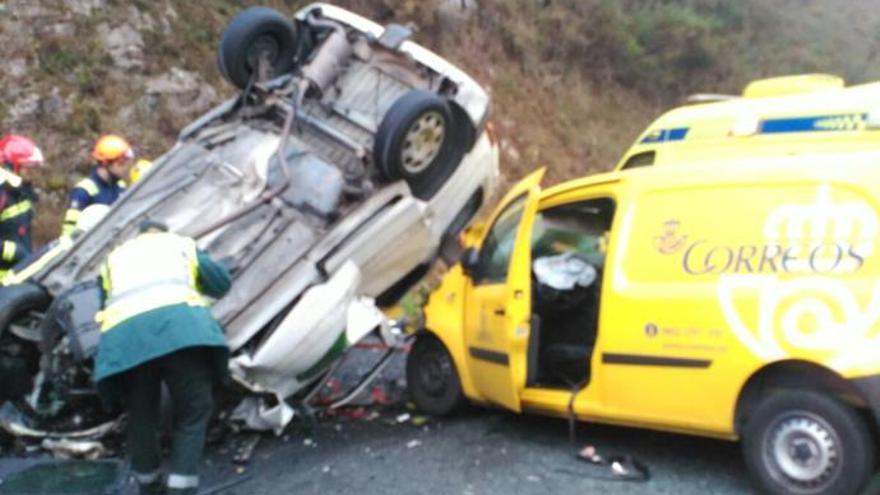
(253, 33)
(415, 142)
(431, 377)
(807, 443)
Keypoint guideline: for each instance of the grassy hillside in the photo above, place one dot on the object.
(573, 81)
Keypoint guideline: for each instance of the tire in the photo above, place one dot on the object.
(252, 31)
(18, 299)
(415, 142)
(830, 435)
(431, 377)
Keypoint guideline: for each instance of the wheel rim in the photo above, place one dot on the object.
(433, 374)
(802, 451)
(422, 142)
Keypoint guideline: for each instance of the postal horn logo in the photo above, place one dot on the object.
(670, 241)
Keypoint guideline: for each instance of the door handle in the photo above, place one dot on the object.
(500, 312)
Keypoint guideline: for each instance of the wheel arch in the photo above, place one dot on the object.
(455, 347)
(464, 127)
(794, 374)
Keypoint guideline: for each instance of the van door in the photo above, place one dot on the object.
(498, 298)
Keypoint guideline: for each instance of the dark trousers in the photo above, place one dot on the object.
(189, 376)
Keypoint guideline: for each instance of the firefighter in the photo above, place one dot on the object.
(20, 158)
(156, 328)
(113, 156)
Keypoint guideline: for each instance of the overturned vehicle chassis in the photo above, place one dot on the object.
(316, 186)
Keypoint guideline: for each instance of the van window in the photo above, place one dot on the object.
(578, 227)
(498, 245)
(642, 159)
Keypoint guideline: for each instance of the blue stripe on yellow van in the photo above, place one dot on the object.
(665, 135)
(818, 123)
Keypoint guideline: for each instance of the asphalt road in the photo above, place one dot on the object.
(478, 452)
(372, 450)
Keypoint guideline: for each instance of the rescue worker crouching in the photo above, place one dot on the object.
(156, 328)
(105, 183)
(20, 157)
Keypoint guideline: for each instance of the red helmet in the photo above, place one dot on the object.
(19, 151)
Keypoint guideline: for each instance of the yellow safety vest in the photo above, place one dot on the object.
(148, 272)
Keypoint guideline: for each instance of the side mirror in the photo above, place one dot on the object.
(470, 258)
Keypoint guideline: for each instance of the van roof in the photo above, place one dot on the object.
(859, 165)
(839, 99)
(761, 169)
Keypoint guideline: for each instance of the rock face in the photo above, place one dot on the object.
(23, 107)
(85, 7)
(184, 92)
(124, 44)
(451, 14)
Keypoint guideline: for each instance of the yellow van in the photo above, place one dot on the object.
(741, 303)
(804, 114)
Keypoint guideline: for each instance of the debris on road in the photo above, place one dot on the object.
(617, 467)
(246, 450)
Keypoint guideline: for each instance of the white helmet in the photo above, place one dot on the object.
(91, 216)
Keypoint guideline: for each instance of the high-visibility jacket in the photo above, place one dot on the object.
(91, 190)
(148, 272)
(153, 307)
(16, 217)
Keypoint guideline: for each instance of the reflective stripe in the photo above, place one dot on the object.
(146, 478)
(148, 272)
(72, 215)
(9, 249)
(88, 185)
(70, 219)
(120, 297)
(7, 177)
(182, 481)
(15, 210)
